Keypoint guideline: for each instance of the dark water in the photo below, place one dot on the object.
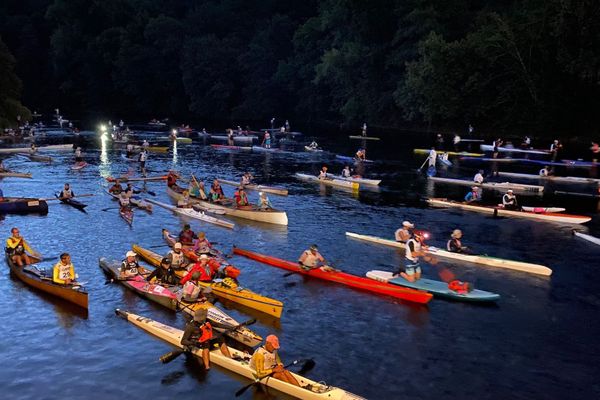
(539, 342)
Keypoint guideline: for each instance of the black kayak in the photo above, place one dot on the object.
(73, 203)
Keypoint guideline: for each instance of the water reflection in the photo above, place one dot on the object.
(175, 158)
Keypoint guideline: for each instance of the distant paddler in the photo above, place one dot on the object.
(509, 200)
(172, 178)
(63, 271)
(247, 179)
(142, 157)
(201, 244)
(432, 157)
(361, 155)
(263, 202)
(363, 130)
(312, 259)
(116, 188)
(454, 245)
(129, 150)
(403, 234)
(196, 189)
(199, 334)
(478, 178)
(313, 145)
(78, 155)
(497, 143)
(474, 196)
(130, 266)
(241, 198)
(32, 149)
(66, 193)
(266, 362)
(346, 172)
(545, 171)
(555, 148)
(323, 173)
(266, 143)
(216, 192)
(184, 201)
(456, 141)
(415, 248)
(187, 235)
(17, 249)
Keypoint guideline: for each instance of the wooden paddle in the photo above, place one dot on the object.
(170, 356)
(307, 366)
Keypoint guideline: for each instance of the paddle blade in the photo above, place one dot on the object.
(170, 356)
(243, 390)
(308, 365)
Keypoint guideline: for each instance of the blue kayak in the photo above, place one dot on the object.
(347, 158)
(437, 288)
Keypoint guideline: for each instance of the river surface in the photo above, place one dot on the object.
(540, 341)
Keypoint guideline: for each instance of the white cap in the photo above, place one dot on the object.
(407, 224)
(130, 254)
(177, 245)
(509, 191)
(203, 257)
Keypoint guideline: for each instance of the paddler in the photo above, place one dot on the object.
(187, 235)
(116, 188)
(129, 150)
(172, 178)
(196, 189)
(404, 234)
(241, 198)
(207, 268)
(142, 157)
(32, 149)
(266, 143)
(414, 249)
(184, 201)
(176, 257)
(555, 147)
(192, 291)
(323, 173)
(216, 190)
(432, 157)
(124, 201)
(201, 244)
(199, 334)
(361, 154)
(17, 249)
(346, 173)
(63, 272)
(478, 178)
(545, 171)
(474, 196)
(454, 245)
(266, 362)
(130, 266)
(263, 202)
(78, 155)
(497, 143)
(246, 179)
(509, 200)
(313, 145)
(312, 259)
(164, 273)
(66, 193)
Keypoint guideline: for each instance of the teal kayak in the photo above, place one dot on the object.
(437, 288)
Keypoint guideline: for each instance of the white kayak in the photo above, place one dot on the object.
(258, 188)
(548, 217)
(475, 259)
(357, 179)
(587, 237)
(330, 182)
(566, 179)
(489, 147)
(240, 365)
(491, 185)
(52, 147)
(191, 213)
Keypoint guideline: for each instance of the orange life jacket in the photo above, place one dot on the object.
(460, 287)
(206, 332)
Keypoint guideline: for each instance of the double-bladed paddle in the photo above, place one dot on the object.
(309, 364)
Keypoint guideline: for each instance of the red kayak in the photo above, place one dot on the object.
(354, 281)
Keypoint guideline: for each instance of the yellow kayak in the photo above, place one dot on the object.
(242, 296)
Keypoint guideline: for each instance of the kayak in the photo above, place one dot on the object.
(134, 179)
(488, 147)
(491, 185)
(11, 174)
(543, 209)
(258, 188)
(347, 158)
(42, 148)
(271, 216)
(42, 280)
(79, 166)
(191, 213)
(475, 259)
(168, 298)
(239, 363)
(127, 215)
(239, 295)
(593, 195)
(343, 278)
(566, 179)
(136, 201)
(357, 179)
(587, 237)
(563, 163)
(36, 157)
(450, 153)
(72, 202)
(543, 216)
(331, 182)
(364, 137)
(225, 147)
(437, 288)
(313, 150)
(23, 205)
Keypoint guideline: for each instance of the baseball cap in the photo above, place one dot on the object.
(273, 340)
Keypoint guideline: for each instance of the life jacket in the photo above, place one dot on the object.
(206, 272)
(241, 199)
(129, 268)
(191, 291)
(409, 254)
(186, 236)
(66, 193)
(202, 246)
(230, 282)
(15, 247)
(206, 332)
(460, 287)
(270, 359)
(177, 260)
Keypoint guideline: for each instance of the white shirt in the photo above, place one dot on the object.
(478, 178)
(456, 139)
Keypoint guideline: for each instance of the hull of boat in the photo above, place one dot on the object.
(191, 213)
(19, 205)
(330, 182)
(491, 185)
(258, 188)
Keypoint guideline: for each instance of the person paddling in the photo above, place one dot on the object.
(216, 191)
(474, 196)
(192, 291)
(17, 249)
(198, 334)
(509, 200)
(241, 198)
(404, 234)
(187, 235)
(116, 188)
(164, 274)
(323, 173)
(263, 202)
(265, 361)
(172, 178)
(346, 173)
(63, 271)
(545, 171)
(414, 249)
(312, 259)
(66, 193)
(432, 157)
(176, 257)
(130, 266)
(247, 179)
(267, 140)
(78, 155)
(206, 267)
(478, 178)
(361, 155)
(201, 244)
(454, 245)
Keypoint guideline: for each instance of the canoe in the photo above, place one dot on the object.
(475, 259)
(566, 179)
(258, 188)
(36, 157)
(72, 202)
(271, 216)
(563, 163)
(548, 217)
(363, 137)
(331, 182)
(501, 186)
(239, 295)
(347, 158)
(225, 147)
(360, 181)
(169, 299)
(42, 280)
(488, 147)
(587, 237)
(136, 179)
(79, 166)
(343, 278)
(11, 174)
(543, 209)
(127, 215)
(54, 147)
(191, 213)
(23, 205)
(135, 201)
(239, 364)
(437, 288)
(450, 153)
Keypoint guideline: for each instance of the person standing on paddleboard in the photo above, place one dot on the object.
(497, 143)
(404, 234)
